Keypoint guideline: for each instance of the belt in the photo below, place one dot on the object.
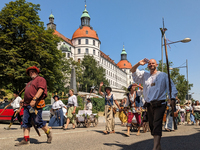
(56, 109)
(162, 101)
(70, 105)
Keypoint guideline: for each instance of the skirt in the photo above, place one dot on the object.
(122, 117)
(178, 119)
(182, 117)
(169, 122)
(57, 119)
(70, 115)
(187, 116)
(110, 120)
(197, 115)
(192, 118)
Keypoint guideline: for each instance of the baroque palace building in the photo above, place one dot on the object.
(85, 40)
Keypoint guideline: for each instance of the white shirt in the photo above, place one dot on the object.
(72, 100)
(89, 106)
(196, 108)
(182, 110)
(178, 108)
(155, 86)
(16, 103)
(108, 97)
(58, 104)
(188, 107)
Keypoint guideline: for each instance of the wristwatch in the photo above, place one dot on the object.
(35, 99)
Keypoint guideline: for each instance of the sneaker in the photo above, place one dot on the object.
(23, 142)
(49, 137)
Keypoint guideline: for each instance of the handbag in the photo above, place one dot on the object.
(175, 114)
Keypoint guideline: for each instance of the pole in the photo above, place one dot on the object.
(187, 80)
(162, 50)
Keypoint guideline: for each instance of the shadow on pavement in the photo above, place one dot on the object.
(190, 142)
(32, 141)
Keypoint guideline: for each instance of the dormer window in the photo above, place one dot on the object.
(86, 31)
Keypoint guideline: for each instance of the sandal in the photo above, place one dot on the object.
(105, 132)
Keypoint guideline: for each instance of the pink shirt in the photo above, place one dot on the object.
(32, 87)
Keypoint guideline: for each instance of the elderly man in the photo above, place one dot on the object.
(155, 85)
(33, 102)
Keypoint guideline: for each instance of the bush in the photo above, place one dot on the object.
(98, 104)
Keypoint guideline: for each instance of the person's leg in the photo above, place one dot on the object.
(69, 116)
(106, 118)
(130, 117)
(11, 122)
(157, 123)
(150, 117)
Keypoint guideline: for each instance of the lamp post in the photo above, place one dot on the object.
(187, 76)
(185, 40)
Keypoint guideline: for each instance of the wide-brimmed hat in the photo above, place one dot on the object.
(88, 99)
(32, 68)
(109, 88)
(56, 96)
(130, 86)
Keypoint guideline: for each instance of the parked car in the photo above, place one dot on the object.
(46, 114)
(7, 114)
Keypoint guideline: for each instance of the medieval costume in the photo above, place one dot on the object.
(58, 118)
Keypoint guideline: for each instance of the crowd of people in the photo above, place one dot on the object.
(146, 103)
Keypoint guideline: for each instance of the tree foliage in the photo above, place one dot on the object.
(24, 42)
(93, 74)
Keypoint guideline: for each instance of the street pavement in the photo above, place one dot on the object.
(187, 137)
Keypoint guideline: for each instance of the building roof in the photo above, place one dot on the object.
(51, 16)
(123, 51)
(85, 14)
(107, 58)
(124, 64)
(63, 37)
(85, 31)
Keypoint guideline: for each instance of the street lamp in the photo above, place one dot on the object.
(187, 76)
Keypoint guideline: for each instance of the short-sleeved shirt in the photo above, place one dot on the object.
(58, 104)
(72, 100)
(32, 88)
(16, 103)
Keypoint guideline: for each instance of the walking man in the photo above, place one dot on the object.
(33, 102)
(155, 86)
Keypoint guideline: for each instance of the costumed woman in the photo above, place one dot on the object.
(109, 109)
(169, 125)
(122, 115)
(197, 112)
(58, 118)
(188, 109)
(192, 119)
(71, 111)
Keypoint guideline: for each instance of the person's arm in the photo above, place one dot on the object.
(37, 95)
(101, 93)
(116, 102)
(141, 62)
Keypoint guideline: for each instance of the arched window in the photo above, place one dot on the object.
(93, 52)
(86, 41)
(94, 42)
(86, 51)
(68, 55)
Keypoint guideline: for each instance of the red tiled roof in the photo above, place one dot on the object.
(63, 37)
(107, 57)
(124, 64)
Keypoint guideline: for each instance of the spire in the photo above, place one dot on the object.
(51, 24)
(123, 54)
(85, 17)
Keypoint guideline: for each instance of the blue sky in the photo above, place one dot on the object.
(135, 23)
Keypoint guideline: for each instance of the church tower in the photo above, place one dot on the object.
(51, 24)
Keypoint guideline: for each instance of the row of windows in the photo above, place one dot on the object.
(87, 42)
(115, 83)
(87, 51)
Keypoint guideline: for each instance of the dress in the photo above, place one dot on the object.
(182, 113)
(169, 119)
(58, 118)
(188, 111)
(72, 102)
(122, 115)
(197, 112)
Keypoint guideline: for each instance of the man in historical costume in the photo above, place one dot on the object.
(109, 109)
(33, 102)
(17, 108)
(155, 85)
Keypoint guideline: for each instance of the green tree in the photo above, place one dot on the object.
(24, 42)
(93, 74)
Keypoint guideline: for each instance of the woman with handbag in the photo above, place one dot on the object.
(109, 109)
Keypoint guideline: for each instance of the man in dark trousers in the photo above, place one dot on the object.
(155, 86)
(33, 102)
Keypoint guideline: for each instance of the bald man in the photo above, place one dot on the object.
(155, 87)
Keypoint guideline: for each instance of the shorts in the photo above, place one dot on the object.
(27, 117)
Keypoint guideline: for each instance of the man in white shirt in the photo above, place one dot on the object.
(155, 86)
(17, 108)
